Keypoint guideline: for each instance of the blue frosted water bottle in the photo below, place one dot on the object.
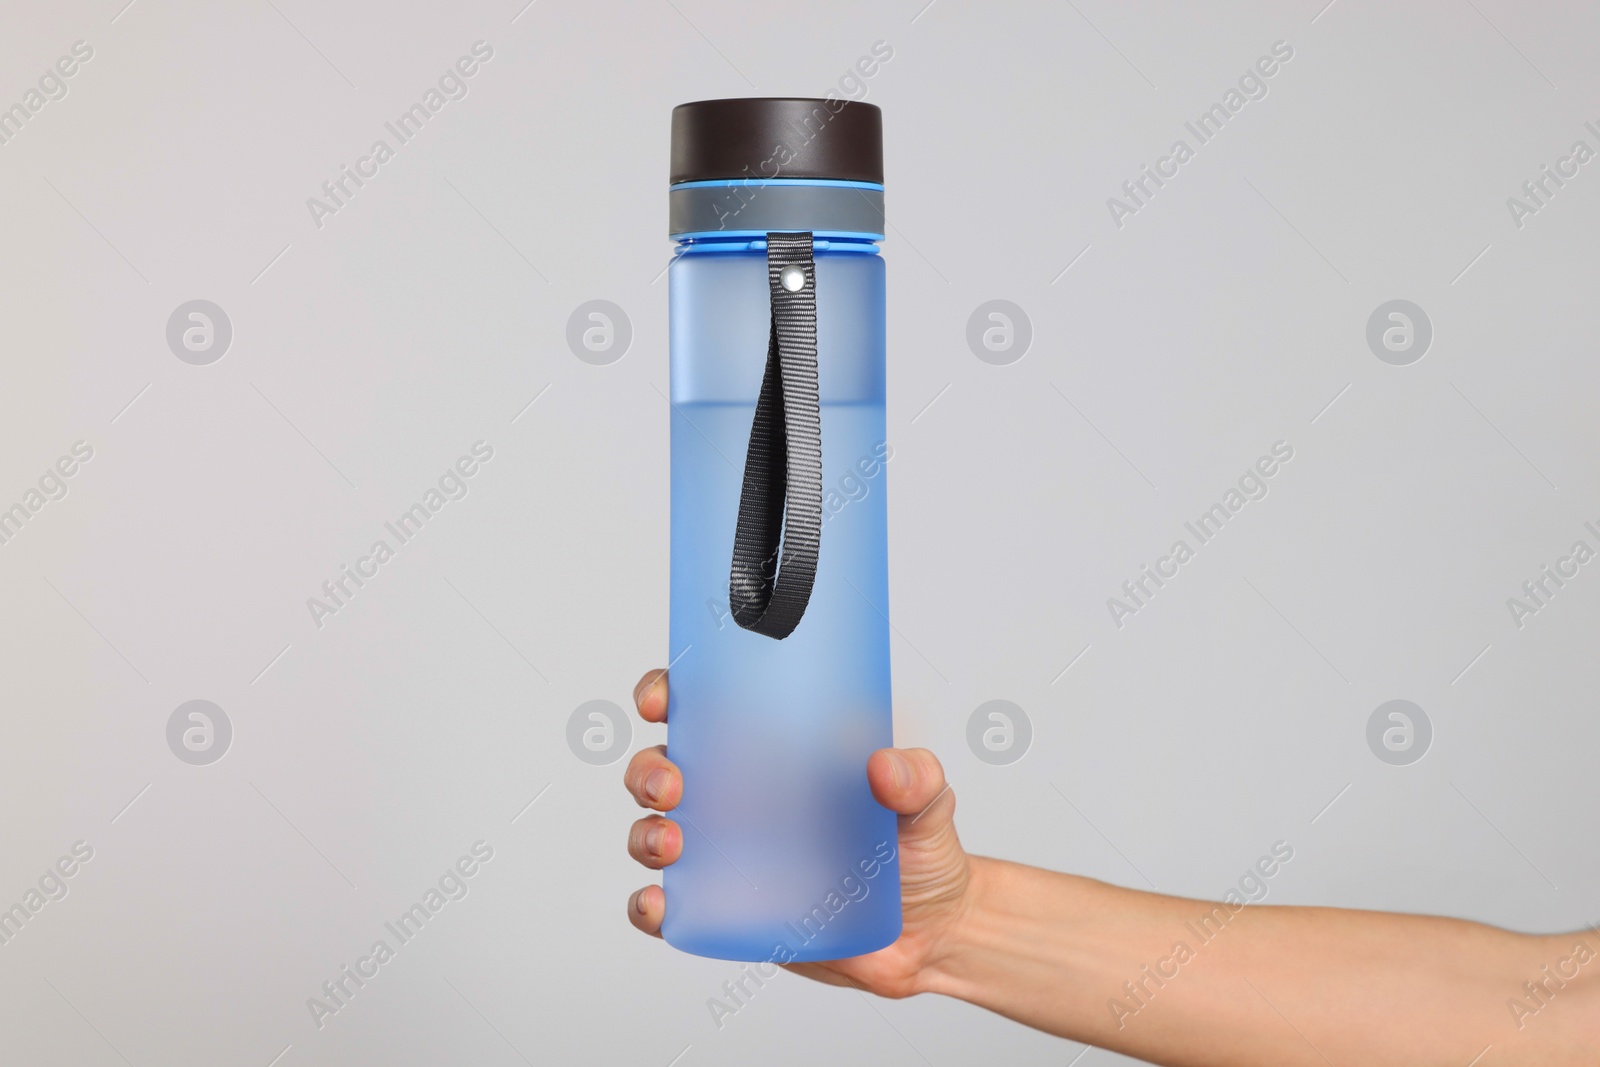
(780, 588)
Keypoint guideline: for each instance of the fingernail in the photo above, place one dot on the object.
(638, 690)
(902, 769)
(653, 839)
(655, 783)
(638, 902)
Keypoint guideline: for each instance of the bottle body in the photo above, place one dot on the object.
(786, 855)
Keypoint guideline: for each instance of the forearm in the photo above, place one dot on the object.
(1189, 983)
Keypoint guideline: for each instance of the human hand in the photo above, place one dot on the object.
(937, 877)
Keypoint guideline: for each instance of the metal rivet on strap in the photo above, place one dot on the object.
(792, 278)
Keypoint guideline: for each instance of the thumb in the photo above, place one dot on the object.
(933, 865)
(911, 783)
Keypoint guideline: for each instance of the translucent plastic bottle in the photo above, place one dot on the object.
(786, 855)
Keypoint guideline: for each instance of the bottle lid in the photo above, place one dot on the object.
(777, 137)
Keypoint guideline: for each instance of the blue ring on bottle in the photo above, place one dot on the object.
(760, 236)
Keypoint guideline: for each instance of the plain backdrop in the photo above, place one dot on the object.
(373, 346)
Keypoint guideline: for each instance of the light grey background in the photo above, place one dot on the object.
(368, 354)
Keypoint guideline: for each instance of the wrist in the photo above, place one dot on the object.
(946, 968)
(1013, 920)
(1036, 946)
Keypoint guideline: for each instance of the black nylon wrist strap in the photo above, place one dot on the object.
(769, 584)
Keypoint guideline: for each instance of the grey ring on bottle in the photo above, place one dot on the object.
(760, 208)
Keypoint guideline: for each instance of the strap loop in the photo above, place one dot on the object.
(780, 504)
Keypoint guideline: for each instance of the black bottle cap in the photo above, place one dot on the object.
(777, 137)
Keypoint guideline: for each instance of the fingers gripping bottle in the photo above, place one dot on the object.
(780, 590)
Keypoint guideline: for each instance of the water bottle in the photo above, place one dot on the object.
(779, 642)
